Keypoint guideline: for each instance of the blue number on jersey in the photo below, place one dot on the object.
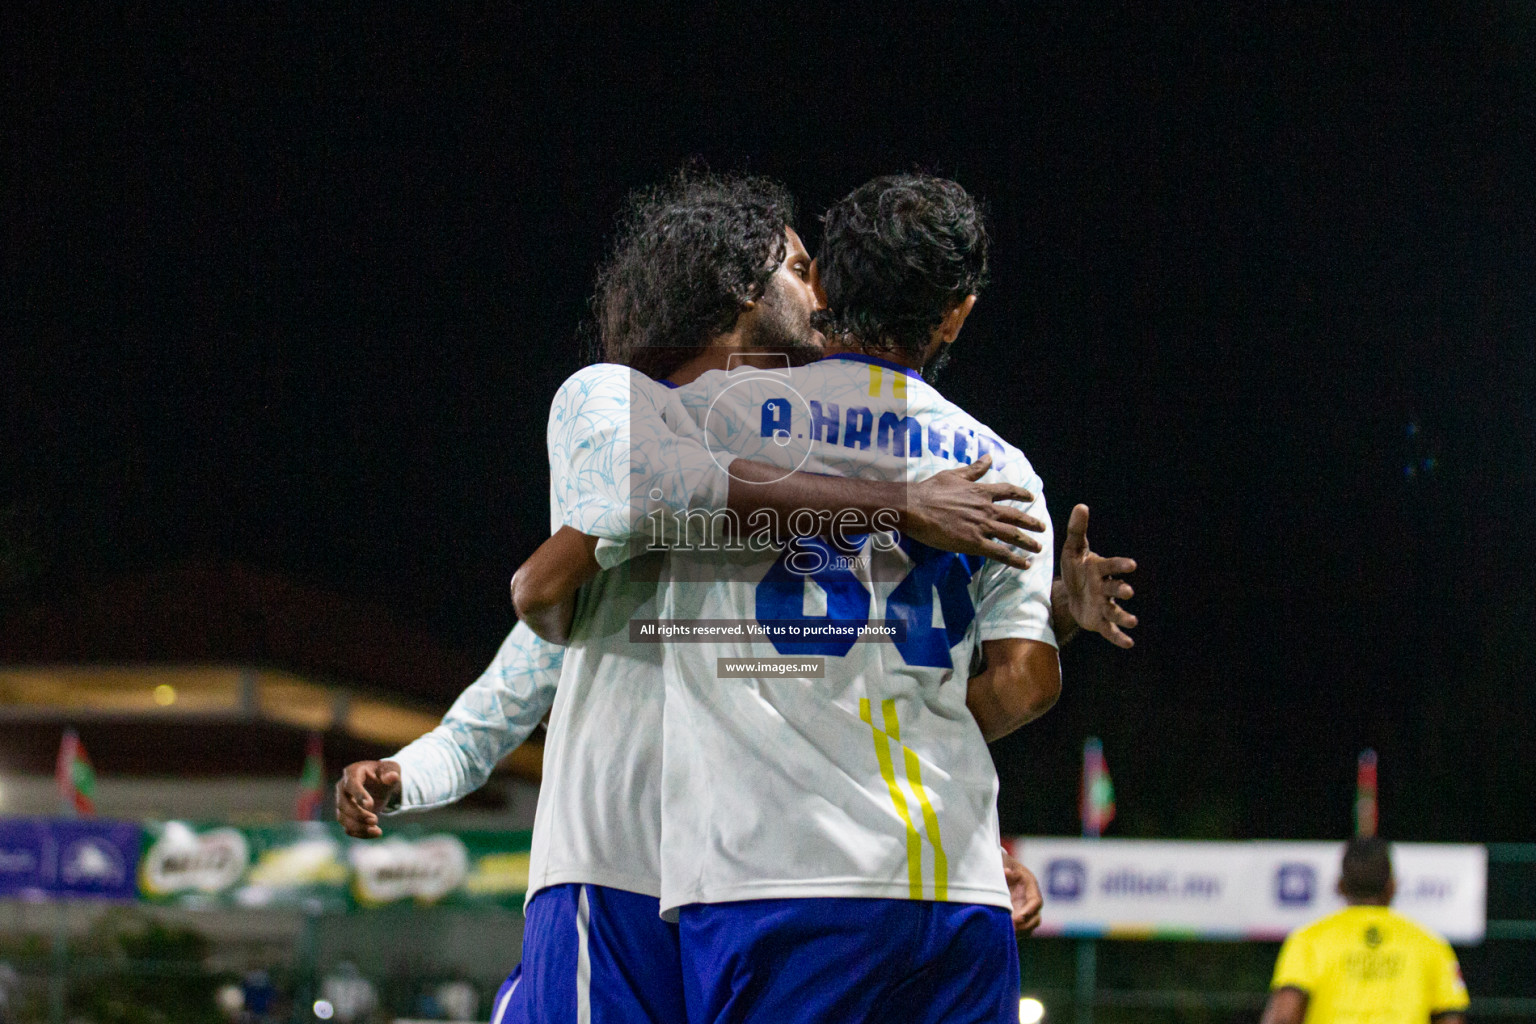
(781, 595)
(932, 571)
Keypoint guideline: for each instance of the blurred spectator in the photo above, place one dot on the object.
(352, 996)
(458, 1000)
(259, 995)
(231, 1001)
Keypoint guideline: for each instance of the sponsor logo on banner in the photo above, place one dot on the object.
(92, 863)
(1427, 889)
(28, 855)
(183, 860)
(284, 873)
(1295, 885)
(306, 862)
(1065, 879)
(1239, 890)
(18, 862)
(395, 869)
(1129, 883)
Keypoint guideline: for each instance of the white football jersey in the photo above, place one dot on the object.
(620, 448)
(873, 781)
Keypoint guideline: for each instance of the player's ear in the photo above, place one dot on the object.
(949, 327)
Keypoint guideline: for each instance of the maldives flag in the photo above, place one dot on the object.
(75, 776)
(1365, 795)
(311, 782)
(1098, 792)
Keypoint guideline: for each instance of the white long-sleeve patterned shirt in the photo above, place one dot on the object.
(489, 720)
(616, 457)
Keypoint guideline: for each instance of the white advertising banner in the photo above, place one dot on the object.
(1143, 888)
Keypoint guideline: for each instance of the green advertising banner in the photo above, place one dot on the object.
(317, 868)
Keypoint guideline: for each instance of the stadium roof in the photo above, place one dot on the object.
(203, 718)
(219, 668)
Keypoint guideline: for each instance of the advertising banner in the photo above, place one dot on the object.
(43, 858)
(315, 867)
(1100, 887)
(1254, 890)
(298, 866)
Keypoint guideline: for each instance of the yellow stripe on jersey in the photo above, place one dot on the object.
(930, 819)
(888, 773)
(877, 381)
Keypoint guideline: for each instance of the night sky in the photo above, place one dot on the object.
(293, 289)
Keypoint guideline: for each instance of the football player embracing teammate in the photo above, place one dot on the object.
(623, 451)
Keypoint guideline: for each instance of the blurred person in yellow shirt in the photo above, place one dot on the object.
(1366, 964)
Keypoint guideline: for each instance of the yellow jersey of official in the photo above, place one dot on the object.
(1368, 965)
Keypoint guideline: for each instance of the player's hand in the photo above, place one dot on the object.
(364, 789)
(1024, 894)
(952, 512)
(1094, 588)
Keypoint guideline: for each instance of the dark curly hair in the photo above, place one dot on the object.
(896, 255)
(687, 255)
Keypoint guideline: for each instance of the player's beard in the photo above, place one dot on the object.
(779, 329)
(932, 367)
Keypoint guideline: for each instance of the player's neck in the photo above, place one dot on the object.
(849, 347)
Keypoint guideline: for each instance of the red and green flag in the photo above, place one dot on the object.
(1098, 792)
(75, 776)
(1365, 794)
(312, 782)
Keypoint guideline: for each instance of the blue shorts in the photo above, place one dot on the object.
(845, 961)
(502, 1004)
(591, 953)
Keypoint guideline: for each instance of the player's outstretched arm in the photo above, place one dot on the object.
(1089, 591)
(1020, 682)
(492, 717)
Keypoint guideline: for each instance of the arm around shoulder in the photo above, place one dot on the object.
(544, 587)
